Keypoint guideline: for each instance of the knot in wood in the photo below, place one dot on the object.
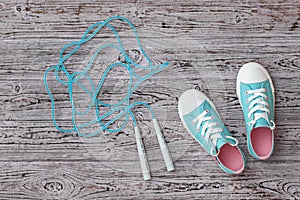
(53, 186)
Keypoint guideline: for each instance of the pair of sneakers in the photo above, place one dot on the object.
(199, 116)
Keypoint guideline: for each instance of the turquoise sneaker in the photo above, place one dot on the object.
(200, 117)
(255, 91)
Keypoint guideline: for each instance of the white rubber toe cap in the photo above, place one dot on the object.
(189, 101)
(252, 73)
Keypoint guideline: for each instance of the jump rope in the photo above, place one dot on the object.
(121, 109)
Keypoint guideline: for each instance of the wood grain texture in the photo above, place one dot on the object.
(205, 41)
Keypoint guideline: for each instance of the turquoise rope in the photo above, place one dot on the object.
(123, 107)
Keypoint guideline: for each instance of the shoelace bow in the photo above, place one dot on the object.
(211, 131)
(258, 102)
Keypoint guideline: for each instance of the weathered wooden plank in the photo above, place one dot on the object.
(68, 181)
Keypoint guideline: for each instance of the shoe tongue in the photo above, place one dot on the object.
(261, 122)
(220, 143)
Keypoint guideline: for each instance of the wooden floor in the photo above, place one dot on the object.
(206, 41)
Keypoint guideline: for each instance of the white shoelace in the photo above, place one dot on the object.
(211, 131)
(257, 102)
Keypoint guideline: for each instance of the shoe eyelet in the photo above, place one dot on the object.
(246, 93)
(207, 111)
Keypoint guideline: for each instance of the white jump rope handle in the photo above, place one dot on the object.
(163, 147)
(142, 155)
